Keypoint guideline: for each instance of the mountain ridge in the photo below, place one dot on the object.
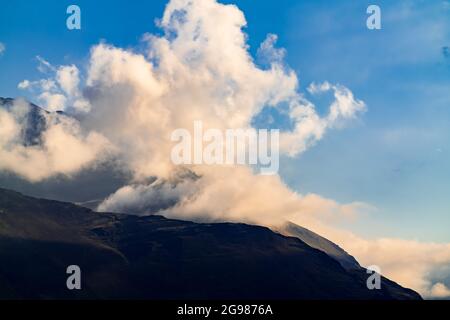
(151, 257)
(316, 241)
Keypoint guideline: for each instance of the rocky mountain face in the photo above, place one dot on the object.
(126, 256)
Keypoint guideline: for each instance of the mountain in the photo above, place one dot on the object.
(33, 117)
(125, 256)
(316, 241)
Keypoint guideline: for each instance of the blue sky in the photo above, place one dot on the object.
(396, 157)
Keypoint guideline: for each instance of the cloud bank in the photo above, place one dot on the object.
(128, 103)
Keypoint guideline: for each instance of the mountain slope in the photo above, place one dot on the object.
(318, 242)
(123, 256)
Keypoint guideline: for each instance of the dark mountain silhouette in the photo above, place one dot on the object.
(125, 256)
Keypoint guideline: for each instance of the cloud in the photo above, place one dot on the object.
(267, 52)
(195, 72)
(2, 48)
(44, 66)
(25, 84)
(154, 197)
(63, 149)
(408, 262)
(439, 290)
(53, 102)
(236, 194)
(345, 105)
(199, 69)
(68, 79)
(59, 92)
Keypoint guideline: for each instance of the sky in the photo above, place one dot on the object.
(395, 157)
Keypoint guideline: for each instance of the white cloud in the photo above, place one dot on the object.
(25, 84)
(44, 66)
(53, 102)
(2, 48)
(60, 91)
(345, 105)
(68, 79)
(267, 52)
(309, 127)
